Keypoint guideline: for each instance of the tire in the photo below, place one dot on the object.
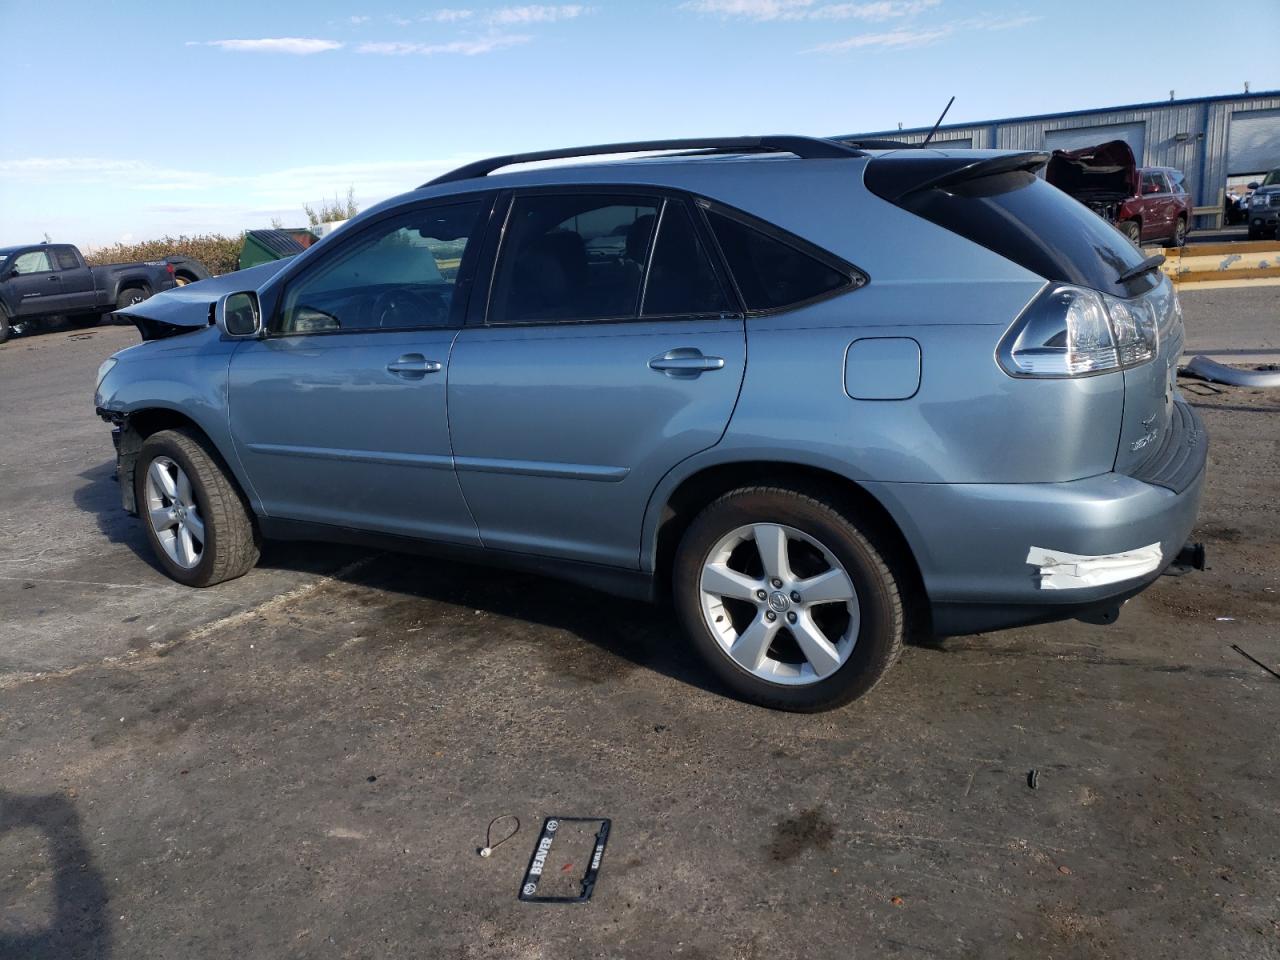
(784, 676)
(131, 295)
(5, 330)
(1131, 229)
(1180, 232)
(229, 548)
(1255, 234)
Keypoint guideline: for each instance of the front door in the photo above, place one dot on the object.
(610, 352)
(36, 286)
(339, 412)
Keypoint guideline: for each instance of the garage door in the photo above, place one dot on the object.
(954, 143)
(1076, 138)
(1253, 141)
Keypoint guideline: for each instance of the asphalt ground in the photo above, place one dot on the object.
(303, 762)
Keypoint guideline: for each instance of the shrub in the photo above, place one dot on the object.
(215, 251)
(337, 209)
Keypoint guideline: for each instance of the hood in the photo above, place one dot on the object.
(1101, 174)
(188, 308)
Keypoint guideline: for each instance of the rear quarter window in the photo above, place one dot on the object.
(774, 271)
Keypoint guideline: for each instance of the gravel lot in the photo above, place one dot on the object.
(302, 762)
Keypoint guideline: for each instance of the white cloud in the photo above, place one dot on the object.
(537, 13)
(894, 39)
(296, 45)
(447, 15)
(358, 20)
(766, 10)
(469, 48)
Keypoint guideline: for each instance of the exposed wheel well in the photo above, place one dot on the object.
(141, 424)
(699, 490)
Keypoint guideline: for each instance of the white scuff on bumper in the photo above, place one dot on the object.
(1069, 571)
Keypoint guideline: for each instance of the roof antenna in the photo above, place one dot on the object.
(938, 124)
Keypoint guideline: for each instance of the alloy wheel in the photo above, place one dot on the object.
(173, 513)
(779, 604)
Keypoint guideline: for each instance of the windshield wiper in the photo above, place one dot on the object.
(1146, 266)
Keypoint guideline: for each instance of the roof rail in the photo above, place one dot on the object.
(807, 148)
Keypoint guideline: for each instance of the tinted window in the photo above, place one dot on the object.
(579, 257)
(398, 275)
(769, 272)
(681, 279)
(1022, 218)
(33, 261)
(66, 258)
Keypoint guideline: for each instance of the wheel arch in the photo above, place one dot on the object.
(679, 501)
(138, 424)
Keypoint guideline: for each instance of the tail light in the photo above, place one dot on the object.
(1071, 331)
(169, 267)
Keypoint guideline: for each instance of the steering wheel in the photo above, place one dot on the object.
(406, 307)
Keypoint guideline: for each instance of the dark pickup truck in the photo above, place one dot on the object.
(46, 280)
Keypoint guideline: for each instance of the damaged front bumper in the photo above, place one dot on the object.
(128, 445)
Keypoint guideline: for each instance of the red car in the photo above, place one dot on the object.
(1145, 203)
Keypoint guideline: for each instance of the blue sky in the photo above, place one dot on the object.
(131, 120)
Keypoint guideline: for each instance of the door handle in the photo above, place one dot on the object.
(54, 279)
(685, 363)
(413, 366)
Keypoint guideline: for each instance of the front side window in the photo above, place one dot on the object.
(33, 261)
(772, 274)
(400, 274)
(573, 257)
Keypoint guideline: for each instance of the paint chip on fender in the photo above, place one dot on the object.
(1060, 570)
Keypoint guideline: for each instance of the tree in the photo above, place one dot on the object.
(337, 209)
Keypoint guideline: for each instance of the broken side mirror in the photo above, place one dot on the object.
(239, 315)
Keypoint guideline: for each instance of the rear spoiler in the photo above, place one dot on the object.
(898, 177)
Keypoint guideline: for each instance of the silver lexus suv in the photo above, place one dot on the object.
(808, 392)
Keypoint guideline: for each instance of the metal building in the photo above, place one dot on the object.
(1208, 138)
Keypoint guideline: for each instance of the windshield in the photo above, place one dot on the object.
(1273, 178)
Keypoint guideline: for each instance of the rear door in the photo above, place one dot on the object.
(610, 350)
(339, 412)
(75, 278)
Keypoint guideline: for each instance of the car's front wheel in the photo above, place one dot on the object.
(787, 599)
(196, 519)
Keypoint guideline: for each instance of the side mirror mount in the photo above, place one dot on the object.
(1254, 185)
(239, 315)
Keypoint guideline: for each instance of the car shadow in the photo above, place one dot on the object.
(78, 927)
(641, 634)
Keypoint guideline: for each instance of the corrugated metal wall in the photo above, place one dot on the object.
(1201, 153)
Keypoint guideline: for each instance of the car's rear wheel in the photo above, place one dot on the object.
(196, 519)
(787, 599)
(1133, 230)
(1180, 232)
(130, 296)
(5, 330)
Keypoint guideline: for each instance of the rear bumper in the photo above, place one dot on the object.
(981, 548)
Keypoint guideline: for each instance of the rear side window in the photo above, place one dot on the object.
(681, 279)
(66, 258)
(573, 257)
(1022, 218)
(770, 272)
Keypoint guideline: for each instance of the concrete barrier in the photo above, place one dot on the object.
(1256, 262)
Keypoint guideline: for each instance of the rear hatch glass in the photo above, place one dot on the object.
(1015, 214)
